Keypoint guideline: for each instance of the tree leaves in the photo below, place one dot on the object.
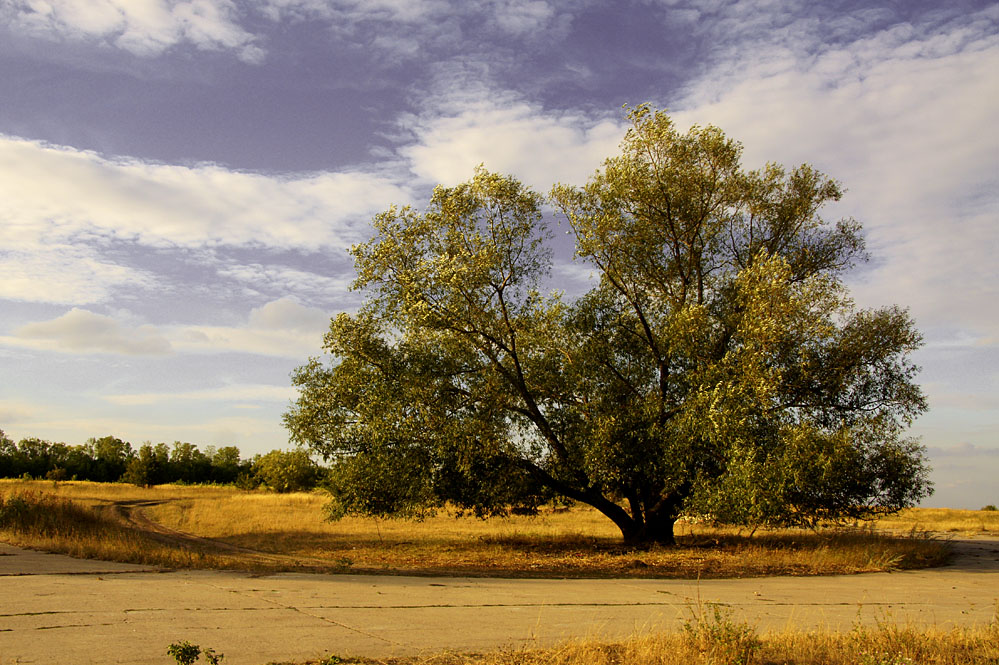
(718, 367)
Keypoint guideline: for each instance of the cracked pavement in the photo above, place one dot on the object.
(55, 609)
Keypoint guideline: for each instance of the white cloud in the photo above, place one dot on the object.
(241, 393)
(573, 278)
(345, 15)
(142, 27)
(269, 278)
(963, 450)
(286, 314)
(522, 17)
(507, 135)
(282, 328)
(12, 411)
(62, 274)
(290, 343)
(56, 194)
(82, 331)
(941, 396)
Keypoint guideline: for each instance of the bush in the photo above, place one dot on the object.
(292, 471)
(40, 514)
(990, 508)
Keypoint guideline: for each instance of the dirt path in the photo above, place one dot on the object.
(134, 514)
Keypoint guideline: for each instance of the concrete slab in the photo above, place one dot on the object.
(18, 561)
(76, 616)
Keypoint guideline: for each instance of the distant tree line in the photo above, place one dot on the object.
(109, 459)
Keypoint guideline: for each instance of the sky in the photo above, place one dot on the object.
(181, 180)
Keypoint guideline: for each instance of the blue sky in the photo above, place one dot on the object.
(180, 180)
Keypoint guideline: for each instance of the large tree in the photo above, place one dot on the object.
(718, 367)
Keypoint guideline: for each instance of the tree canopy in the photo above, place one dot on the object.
(718, 367)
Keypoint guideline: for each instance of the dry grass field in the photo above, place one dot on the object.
(268, 531)
(730, 643)
(943, 520)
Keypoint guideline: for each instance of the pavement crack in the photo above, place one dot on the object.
(73, 625)
(312, 615)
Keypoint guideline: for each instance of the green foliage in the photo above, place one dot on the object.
(212, 657)
(110, 459)
(287, 471)
(330, 660)
(719, 366)
(148, 467)
(185, 653)
(111, 456)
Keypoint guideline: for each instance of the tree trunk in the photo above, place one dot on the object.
(655, 531)
(644, 526)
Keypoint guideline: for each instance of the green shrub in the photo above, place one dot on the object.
(185, 653)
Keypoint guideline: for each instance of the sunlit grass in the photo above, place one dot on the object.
(568, 543)
(943, 520)
(43, 521)
(732, 643)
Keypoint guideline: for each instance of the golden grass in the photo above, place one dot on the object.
(574, 543)
(943, 520)
(713, 636)
(737, 644)
(47, 522)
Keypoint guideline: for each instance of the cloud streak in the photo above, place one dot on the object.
(63, 274)
(145, 29)
(83, 331)
(281, 328)
(242, 393)
(151, 28)
(59, 193)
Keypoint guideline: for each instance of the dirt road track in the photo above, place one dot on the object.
(133, 513)
(54, 609)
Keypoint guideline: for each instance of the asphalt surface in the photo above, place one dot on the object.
(55, 609)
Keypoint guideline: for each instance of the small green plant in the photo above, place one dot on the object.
(185, 653)
(330, 660)
(212, 657)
